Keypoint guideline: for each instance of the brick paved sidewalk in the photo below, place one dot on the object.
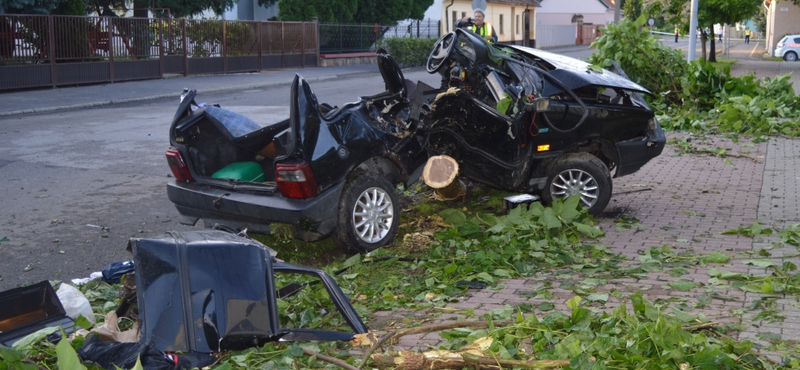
(684, 202)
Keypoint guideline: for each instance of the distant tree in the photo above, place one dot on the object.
(632, 9)
(28, 6)
(350, 11)
(710, 12)
(760, 20)
(71, 7)
(177, 8)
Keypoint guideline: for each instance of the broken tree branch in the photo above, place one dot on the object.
(440, 174)
(499, 363)
(335, 361)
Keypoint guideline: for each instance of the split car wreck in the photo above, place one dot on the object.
(513, 117)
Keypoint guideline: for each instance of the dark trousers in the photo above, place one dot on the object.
(676, 37)
(747, 39)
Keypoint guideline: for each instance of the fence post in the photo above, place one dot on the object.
(316, 31)
(283, 45)
(418, 28)
(160, 48)
(224, 47)
(51, 50)
(258, 39)
(303, 43)
(110, 26)
(340, 37)
(185, 39)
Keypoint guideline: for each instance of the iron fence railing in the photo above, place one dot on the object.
(350, 38)
(30, 39)
(42, 50)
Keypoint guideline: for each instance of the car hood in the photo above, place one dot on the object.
(576, 74)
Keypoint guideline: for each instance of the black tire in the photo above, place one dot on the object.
(580, 173)
(790, 56)
(375, 197)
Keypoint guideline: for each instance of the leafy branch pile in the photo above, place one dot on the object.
(651, 337)
(699, 96)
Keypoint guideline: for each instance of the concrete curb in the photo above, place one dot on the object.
(155, 97)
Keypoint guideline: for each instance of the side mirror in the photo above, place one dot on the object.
(539, 105)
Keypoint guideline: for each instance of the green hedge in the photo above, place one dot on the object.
(408, 51)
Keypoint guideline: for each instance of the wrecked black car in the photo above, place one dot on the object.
(513, 117)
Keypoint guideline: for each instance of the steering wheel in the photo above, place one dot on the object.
(441, 50)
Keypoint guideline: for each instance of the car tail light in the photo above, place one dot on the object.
(178, 166)
(295, 180)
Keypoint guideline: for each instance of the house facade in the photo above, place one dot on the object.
(783, 18)
(555, 12)
(513, 20)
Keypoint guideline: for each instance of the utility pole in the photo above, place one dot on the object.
(617, 5)
(693, 32)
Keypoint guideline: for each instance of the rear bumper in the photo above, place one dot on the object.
(635, 154)
(255, 211)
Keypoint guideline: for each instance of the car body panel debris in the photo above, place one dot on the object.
(211, 291)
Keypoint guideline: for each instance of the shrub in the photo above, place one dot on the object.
(408, 51)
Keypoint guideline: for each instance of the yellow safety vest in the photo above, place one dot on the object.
(486, 30)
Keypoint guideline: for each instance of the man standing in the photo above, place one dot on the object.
(746, 35)
(677, 33)
(484, 29)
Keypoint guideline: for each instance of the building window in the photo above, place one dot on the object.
(455, 16)
(516, 25)
(463, 14)
(501, 24)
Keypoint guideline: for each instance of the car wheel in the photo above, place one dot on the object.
(580, 174)
(369, 214)
(790, 56)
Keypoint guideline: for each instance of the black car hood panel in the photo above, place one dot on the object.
(577, 74)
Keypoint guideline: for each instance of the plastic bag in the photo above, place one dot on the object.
(114, 355)
(74, 302)
(116, 270)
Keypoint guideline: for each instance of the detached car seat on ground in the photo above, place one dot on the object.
(211, 291)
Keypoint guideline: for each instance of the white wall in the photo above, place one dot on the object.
(561, 12)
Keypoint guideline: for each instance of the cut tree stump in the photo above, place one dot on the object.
(440, 173)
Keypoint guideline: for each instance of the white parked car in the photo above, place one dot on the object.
(788, 48)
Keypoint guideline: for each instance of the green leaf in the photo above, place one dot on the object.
(759, 263)
(682, 285)
(9, 355)
(598, 297)
(352, 261)
(588, 231)
(549, 219)
(453, 217)
(546, 306)
(24, 345)
(716, 257)
(67, 357)
(574, 302)
(485, 277)
(296, 351)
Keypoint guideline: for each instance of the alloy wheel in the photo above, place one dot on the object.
(373, 215)
(575, 181)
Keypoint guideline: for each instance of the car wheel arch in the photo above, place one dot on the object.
(604, 149)
(381, 166)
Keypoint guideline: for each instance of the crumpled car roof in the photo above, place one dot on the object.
(576, 73)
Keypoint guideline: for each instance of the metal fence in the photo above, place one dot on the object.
(352, 38)
(38, 50)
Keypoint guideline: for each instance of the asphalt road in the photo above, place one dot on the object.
(77, 185)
